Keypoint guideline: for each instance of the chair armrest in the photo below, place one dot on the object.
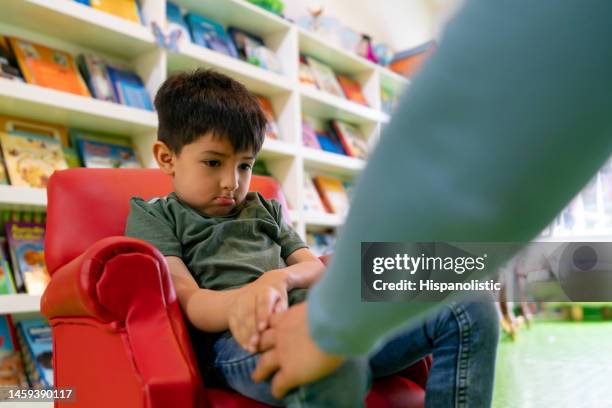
(73, 288)
(125, 283)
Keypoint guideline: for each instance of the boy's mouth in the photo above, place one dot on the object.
(224, 201)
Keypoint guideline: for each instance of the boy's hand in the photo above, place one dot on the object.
(250, 312)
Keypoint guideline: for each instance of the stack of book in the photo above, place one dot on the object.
(88, 76)
(335, 136)
(315, 73)
(34, 338)
(326, 194)
(30, 151)
(232, 41)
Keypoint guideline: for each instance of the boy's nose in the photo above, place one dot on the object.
(230, 181)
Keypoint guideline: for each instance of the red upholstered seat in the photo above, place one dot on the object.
(119, 338)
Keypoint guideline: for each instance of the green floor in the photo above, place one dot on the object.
(556, 364)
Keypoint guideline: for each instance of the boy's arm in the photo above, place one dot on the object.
(303, 269)
(206, 309)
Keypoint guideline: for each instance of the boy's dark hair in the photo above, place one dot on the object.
(191, 104)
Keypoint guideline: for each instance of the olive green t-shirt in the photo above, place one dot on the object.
(221, 252)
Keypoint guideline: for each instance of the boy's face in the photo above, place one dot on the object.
(208, 175)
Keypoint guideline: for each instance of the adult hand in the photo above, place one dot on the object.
(291, 353)
(249, 314)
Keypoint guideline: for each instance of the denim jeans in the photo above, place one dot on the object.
(461, 336)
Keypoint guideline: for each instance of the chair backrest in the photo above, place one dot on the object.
(86, 205)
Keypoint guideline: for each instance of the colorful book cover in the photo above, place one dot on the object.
(47, 67)
(9, 68)
(93, 69)
(7, 285)
(31, 159)
(244, 42)
(352, 89)
(12, 124)
(34, 337)
(309, 135)
(129, 88)
(332, 193)
(176, 21)
(72, 157)
(271, 127)
(312, 201)
(325, 77)
(4, 180)
(306, 77)
(26, 245)
(77, 134)
(329, 142)
(12, 373)
(351, 138)
(96, 154)
(210, 34)
(126, 9)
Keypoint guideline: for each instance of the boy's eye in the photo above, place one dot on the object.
(245, 166)
(212, 163)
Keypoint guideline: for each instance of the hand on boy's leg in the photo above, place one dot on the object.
(291, 355)
(249, 315)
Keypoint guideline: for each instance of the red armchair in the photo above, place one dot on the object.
(119, 338)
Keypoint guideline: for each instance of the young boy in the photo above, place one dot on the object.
(234, 261)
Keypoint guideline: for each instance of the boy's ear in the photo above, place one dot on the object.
(164, 157)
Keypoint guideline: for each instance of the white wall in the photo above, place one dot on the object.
(400, 23)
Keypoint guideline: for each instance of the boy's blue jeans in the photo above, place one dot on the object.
(461, 336)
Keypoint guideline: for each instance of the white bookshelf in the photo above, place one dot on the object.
(36, 102)
(20, 303)
(75, 28)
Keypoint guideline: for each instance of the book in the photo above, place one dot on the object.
(210, 34)
(48, 67)
(72, 157)
(306, 77)
(126, 9)
(77, 134)
(271, 127)
(34, 338)
(408, 62)
(12, 373)
(351, 138)
(9, 68)
(329, 142)
(7, 284)
(388, 100)
(309, 135)
(26, 246)
(320, 243)
(129, 89)
(312, 201)
(176, 21)
(351, 89)
(97, 154)
(332, 193)
(11, 124)
(244, 42)
(31, 159)
(93, 69)
(325, 77)
(4, 180)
